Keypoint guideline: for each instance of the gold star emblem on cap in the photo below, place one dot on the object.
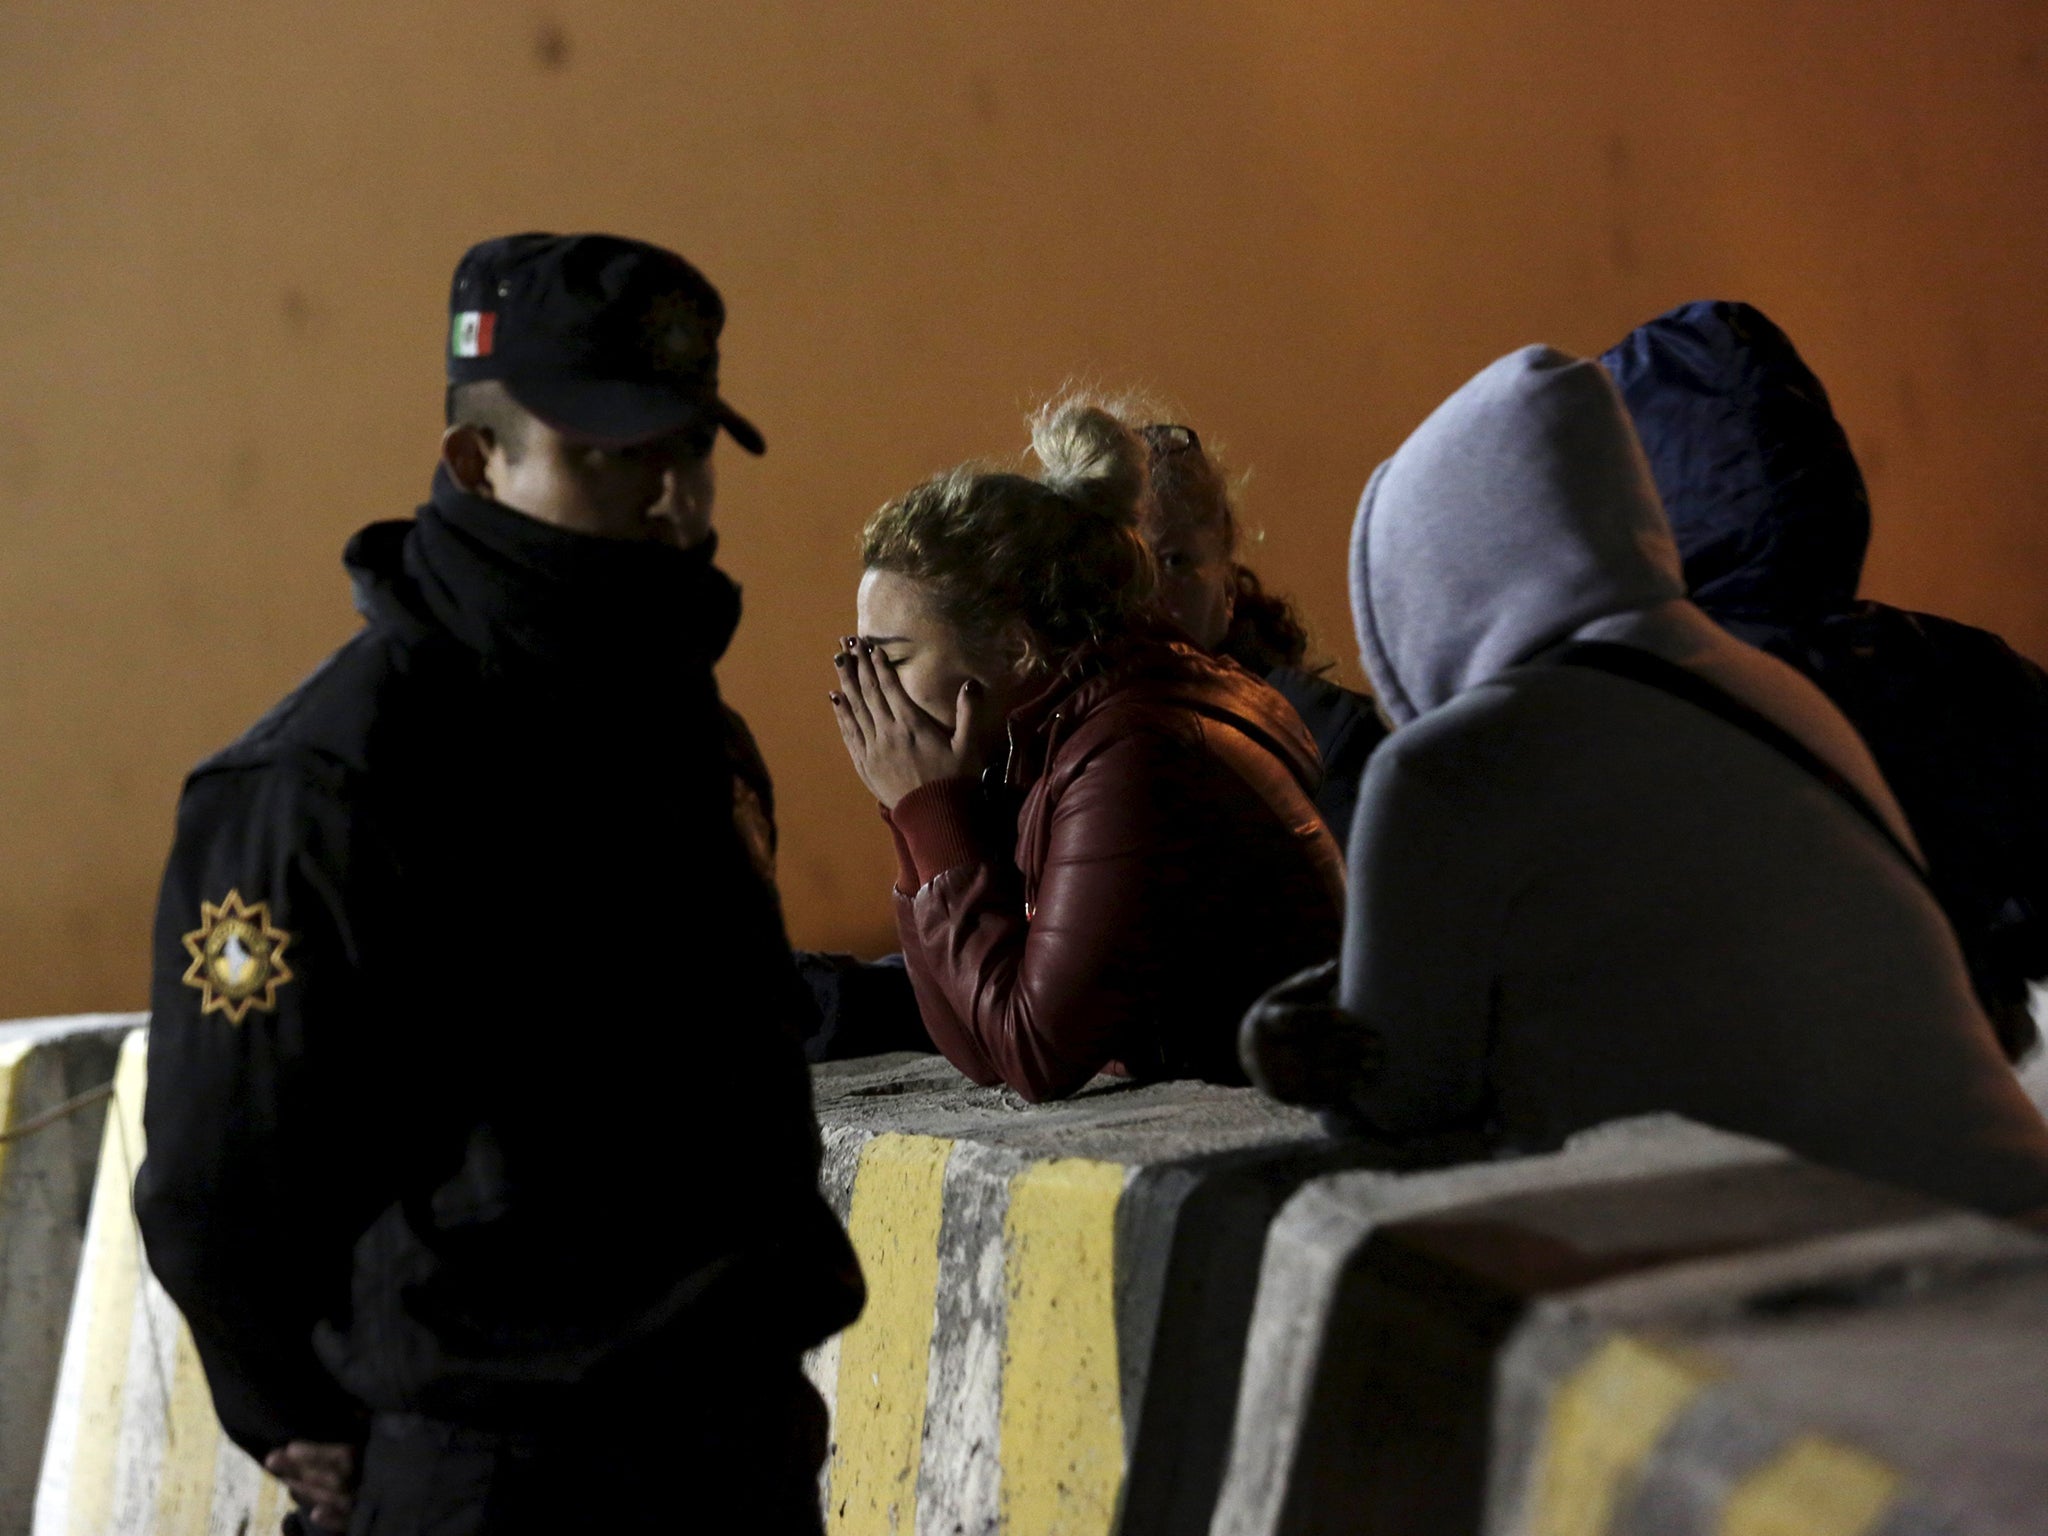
(237, 958)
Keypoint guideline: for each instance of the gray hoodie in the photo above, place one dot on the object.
(1574, 896)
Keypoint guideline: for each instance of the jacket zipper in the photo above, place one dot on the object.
(1052, 741)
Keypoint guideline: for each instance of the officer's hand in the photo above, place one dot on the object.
(896, 746)
(320, 1476)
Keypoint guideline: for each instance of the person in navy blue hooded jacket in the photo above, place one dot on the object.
(1772, 521)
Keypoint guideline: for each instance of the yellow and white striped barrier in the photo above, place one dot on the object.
(52, 1099)
(982, 1386)
(991, 1385)
(1659, 1331)
(134, 1448)
(1609, 1416)
(1869, 1384)
(1043, 1285)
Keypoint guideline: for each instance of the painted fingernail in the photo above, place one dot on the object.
(839, 661)
(836, 697)
(867, 648)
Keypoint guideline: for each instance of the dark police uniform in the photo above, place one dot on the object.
(479, 1131)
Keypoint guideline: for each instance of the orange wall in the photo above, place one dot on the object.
(228, 230)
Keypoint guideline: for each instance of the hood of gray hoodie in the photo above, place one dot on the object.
(1518, 514)
(1522, 514)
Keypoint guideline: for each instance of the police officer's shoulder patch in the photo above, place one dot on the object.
(237, 958)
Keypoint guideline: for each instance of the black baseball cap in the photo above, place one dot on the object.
(604, 338)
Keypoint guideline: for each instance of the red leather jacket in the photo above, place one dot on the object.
(1150, 863)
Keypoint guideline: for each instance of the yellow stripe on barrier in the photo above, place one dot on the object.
(1814, 1487)
(1062, 1410)
(11, 1058)
(1604, 1421)
(134, 1446)
(270, 1505)
(884, 1357)
(192, 1438)
(114, 1267)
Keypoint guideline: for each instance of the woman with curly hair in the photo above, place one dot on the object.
(1105, 837)
(1190, 521)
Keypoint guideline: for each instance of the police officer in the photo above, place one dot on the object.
(481, 1153)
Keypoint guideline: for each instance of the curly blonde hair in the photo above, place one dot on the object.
(1025, 570)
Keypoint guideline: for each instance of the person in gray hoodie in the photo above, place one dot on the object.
(1613, 860)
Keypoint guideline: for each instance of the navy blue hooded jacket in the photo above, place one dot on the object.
(1772, 521)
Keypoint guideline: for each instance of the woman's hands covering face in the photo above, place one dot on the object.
(896, 746)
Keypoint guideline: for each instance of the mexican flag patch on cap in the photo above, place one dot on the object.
(470, 335)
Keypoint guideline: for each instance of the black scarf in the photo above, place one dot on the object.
(517, 590)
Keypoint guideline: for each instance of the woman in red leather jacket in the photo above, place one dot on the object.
(1106, 840)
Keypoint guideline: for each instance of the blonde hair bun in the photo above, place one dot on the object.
(1091, 457)
(1029, 569)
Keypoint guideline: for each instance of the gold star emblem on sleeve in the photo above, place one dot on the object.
(237, 958)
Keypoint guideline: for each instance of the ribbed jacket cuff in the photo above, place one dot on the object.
(906, 867)
(934, 826)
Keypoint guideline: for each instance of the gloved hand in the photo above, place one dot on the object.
(1302, 1048)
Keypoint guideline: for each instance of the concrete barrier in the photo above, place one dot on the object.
(133, 1447)
(50, 1125)
(1058, 1296)
(1373, 1401)
(1058, 1304)
(1061, 1335)
(1880, 1383)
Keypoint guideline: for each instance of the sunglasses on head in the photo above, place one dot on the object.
(1164, 438)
